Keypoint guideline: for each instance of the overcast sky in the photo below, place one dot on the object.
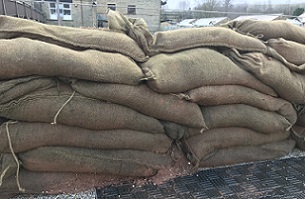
(174, 4)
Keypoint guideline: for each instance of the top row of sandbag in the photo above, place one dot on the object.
(128, 37)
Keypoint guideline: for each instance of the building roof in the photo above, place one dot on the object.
(302, 18)
(209, 21)
(260, 17)
(295, 22)
(186, 23)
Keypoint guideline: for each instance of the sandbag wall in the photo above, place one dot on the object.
(245, 119)
(114, 101)
(73, 102)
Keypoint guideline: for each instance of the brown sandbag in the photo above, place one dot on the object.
(269, 29)
(26, 136)
(240, 115)
(55, 183)
(235, 94)
(301, 119)
(208, 142)
(298, 134)
(46, 59)
(292, 51)
(289, 85)
(185, 70)
(8, 166)
(245, 154)
(74, 38)
(59, 105)
(15, 88)
(135, 28)
(144, 100)
(113, 162)
(177, 40)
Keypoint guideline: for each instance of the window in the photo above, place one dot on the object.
(112, 6)
(64, 11)
(131, 9)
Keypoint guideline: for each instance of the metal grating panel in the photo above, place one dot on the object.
(283, 178)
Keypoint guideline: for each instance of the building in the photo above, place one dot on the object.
(271, 17)
(92, 13)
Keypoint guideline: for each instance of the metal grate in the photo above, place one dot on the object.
(283, 178)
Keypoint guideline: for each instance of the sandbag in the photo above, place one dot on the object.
(293, 52)
(235, 94)
(185, 70)
(269, 29)
(144, 100)
(56, 183)
(26, 136)
(199, 146)
(245, 154)
(60, 105)
(18, 87)
(46, 59)
(298, 134)
(240, 115)
(8, 166)
(182, 39)
(289, 85)
(74, 38)
(113, 162)
(135, 28)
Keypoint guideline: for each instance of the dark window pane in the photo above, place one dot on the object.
(112, 6)
(131, 9)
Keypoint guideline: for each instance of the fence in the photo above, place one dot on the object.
(20, 9)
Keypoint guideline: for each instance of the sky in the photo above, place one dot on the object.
(174, 4)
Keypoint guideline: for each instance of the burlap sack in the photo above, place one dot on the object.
(245, 154)
(185, 70)
(113, 162)
(55, 183)
(289, 85)
(234, 94)
(8, 166)
(74, 38)
(298, 134)
(26, 136)
(135, 28)
(199, 146)
(144, 100)
(45, 59)
(61, 105)
(240, 115)
(175, 131)
(177, 40)
(293, 52)
(15, 88)
(269, 29)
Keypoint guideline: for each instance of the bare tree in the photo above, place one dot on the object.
(227, 4)
(184, 5)
(209, 5)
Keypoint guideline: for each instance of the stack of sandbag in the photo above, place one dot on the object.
(282, 67)
(54, 122)
(241, 113)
